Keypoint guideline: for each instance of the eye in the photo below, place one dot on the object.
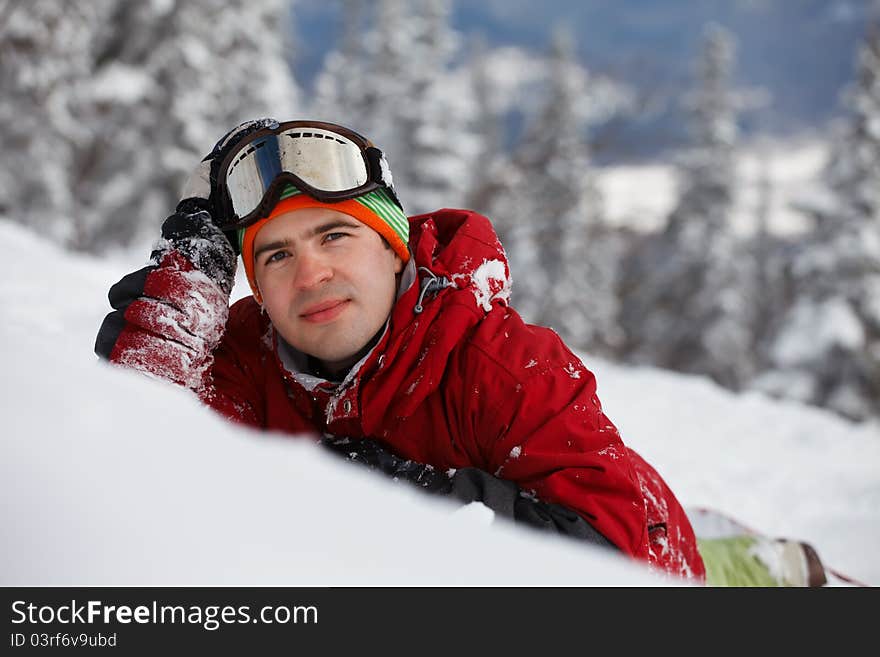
(278, 256)
(332, 237)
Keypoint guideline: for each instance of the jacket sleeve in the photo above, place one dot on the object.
(531, 416)
(169, 322)
(546, 432)
(553, 440)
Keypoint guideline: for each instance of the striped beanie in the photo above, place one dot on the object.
(376, 209)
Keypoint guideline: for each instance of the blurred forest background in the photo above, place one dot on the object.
(518, 110)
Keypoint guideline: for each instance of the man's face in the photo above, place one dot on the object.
(327, 281)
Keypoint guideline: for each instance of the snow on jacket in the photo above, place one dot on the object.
(457, 379)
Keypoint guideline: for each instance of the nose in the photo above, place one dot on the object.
(312, 269)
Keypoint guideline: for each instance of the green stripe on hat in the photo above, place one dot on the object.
(379, 203)
(289, 191)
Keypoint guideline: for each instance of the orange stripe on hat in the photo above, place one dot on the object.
(350, 207)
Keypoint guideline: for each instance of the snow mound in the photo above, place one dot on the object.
(113, 479)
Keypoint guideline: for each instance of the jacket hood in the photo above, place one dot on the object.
(462, 273)
(462, 247)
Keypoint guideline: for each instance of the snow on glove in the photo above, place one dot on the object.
(196, 236)
(468, 485)
(181, 297)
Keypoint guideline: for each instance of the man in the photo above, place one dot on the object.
(392, 335)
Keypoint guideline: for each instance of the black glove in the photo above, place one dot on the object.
(509, 501)
(376, 457)
(196, 236)
(200, 241)
(468, 485)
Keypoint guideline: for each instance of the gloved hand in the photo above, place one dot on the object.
(467, 485)
(509, 501)
(193, 228)
(376, 457)
(197, 237)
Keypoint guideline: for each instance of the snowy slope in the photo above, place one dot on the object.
(110, 478)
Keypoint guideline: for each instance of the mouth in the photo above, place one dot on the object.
(325, 311)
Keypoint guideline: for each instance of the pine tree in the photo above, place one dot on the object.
(45, 51)
(827, 351)
(387, 74)
(567, 268)
(203, 66)
(490, 182)
(341, 86)
(153, 88)
(771, 254)
(436, 121)
(688, 290)
(394, 78)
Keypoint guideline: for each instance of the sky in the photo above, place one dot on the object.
(112, 478)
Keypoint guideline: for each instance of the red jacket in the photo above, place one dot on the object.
(464, 382)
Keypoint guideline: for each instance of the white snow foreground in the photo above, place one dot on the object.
(113, 479)
(125, 481)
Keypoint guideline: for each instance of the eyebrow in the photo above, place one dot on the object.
(317, 230)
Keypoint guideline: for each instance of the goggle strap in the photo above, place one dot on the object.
(374, 160)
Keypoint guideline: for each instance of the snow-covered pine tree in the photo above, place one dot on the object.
(342, 88)
(827, 350)
(436, 120)
(564, 264)
(169, 79)
(492, 178)
(688, 290)
(45, 51)
(148, 94)
(384, 76)
(396, 81)
(771, 253)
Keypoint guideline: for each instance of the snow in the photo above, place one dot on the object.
(489, 282)
(641, 196)
(122, 83)
(113, 478)
(782, 468)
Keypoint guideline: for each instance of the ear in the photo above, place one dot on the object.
(257, 292)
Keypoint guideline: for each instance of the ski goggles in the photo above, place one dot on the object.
(326, 161)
